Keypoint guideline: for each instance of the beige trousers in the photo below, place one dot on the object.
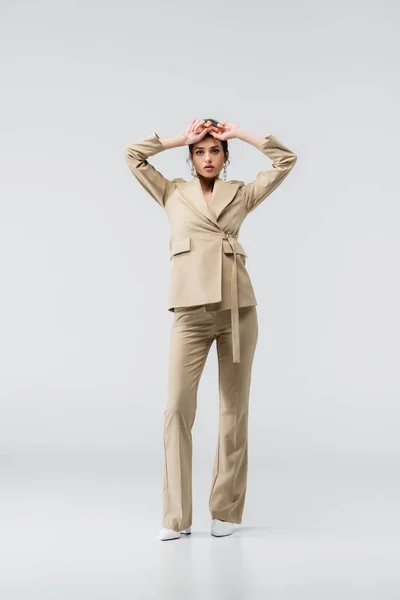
(193, 331)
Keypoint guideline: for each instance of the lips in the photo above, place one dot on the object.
(209, 168)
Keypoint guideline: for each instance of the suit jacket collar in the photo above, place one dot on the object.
(222, 195)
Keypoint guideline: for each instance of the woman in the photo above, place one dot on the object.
(212, 298)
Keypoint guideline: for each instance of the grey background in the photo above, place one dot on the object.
(84, 268)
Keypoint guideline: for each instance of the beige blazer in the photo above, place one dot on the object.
(208, 262)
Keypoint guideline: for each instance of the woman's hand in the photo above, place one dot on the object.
(225, 131)
(197, 130)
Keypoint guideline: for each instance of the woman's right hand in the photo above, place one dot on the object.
(196, 130)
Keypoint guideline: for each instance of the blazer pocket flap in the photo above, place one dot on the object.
(228, 248)
(178, 246)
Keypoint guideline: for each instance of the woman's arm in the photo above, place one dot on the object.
(136, 155)
(173, 142)
(250, 138)
(283, 161)
(154, 182)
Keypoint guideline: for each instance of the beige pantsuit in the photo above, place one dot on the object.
(192, 333)
(212, 298)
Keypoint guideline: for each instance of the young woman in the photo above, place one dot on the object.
(212, 298)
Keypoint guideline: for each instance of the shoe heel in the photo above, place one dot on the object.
(187, 531)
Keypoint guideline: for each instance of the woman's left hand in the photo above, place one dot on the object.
(226, 131)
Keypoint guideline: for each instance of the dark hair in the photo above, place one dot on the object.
(223, 142)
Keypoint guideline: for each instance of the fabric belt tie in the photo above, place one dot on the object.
(234, 303)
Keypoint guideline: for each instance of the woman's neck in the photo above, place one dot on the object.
(207, 185)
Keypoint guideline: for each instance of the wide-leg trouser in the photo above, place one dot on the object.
(192, 334)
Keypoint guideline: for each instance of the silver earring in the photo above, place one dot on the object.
(192, 169)
(225, 167)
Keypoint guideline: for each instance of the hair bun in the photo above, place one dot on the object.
(213, 122)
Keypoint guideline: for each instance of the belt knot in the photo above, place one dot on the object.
(228, 236)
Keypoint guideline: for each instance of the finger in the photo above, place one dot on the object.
(201, 135)
(199, 126)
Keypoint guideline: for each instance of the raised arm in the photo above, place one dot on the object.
(154, 182)
(136, 155)
(283, 161)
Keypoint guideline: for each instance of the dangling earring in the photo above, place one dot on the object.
(225, 167)
(192, 169)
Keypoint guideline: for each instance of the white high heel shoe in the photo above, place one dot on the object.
(221, 528)
(171, 534)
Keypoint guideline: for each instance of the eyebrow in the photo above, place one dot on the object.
(202, 147)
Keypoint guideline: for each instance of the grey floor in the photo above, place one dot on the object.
(85, 526)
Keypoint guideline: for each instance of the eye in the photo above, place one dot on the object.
(214, 150)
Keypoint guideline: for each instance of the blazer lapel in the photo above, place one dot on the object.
(222, 195)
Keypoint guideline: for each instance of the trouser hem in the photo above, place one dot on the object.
(225, 517)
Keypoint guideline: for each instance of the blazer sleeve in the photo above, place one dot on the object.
(283, 161)
(154, 182)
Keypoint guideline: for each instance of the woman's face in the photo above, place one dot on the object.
(208, 152)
